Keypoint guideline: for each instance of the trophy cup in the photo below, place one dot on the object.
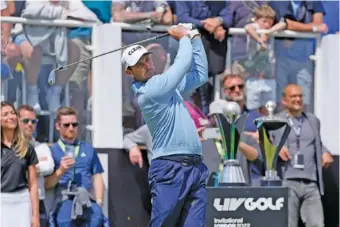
(226, 119)
(270, 152)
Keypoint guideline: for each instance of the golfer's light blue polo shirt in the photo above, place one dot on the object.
(160, 98)
(86, 163)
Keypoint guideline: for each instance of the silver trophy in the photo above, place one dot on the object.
(226, 116)
(270, 152)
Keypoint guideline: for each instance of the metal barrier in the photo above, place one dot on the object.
(141, 28)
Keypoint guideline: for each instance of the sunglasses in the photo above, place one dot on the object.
(240, 86)
(33, 121)
(74, 125)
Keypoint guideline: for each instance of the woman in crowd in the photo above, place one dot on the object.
(19, 188)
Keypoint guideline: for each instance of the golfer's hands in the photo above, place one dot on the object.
(35, 221)
(178, 31)
(136, 157)
(284, 154)
(66, 163)
(190, 29)
(326, 159)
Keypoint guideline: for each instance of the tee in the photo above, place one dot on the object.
(14, 169)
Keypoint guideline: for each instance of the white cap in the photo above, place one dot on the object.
(132, 55)
(217, 106)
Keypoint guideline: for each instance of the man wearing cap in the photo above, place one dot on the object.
(177, 175)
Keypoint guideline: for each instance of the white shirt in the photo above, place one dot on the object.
(46, 166)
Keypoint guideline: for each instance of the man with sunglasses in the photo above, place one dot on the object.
(28, 122)
(77, 168)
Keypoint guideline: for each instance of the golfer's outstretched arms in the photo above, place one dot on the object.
(161, 87)
(198, 75)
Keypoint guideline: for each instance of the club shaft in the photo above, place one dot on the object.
(112, 51)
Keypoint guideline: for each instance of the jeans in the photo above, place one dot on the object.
(178, 194)
(304, 199)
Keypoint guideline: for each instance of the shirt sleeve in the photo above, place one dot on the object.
(227, 13)
(160, 88)
(96, 165)
(141, 136)
(183, 14)
(199, 69)
(318, 7)
(31, 156)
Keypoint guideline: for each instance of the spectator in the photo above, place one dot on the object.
(302, 160)
(293, 65)
(239, 14)
(76, 163)
(51, 41)
(19, 187)
(28, 122)
(148, 12)
(259, 64)
(209, 18)
(234, 91)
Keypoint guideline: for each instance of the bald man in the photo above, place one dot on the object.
(301, 160)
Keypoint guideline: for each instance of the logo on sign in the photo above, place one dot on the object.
(134, 49)
(250, 204)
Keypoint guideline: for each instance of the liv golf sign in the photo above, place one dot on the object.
(247, 207)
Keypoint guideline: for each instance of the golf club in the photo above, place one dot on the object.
(112, 51)
(52, 76)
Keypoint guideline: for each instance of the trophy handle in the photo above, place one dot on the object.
(219, 122)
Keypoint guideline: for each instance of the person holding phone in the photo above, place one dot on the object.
(77, 166)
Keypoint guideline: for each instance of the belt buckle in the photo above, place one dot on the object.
(185, 160)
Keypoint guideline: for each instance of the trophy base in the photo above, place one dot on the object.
(231, 175)
(271, 179)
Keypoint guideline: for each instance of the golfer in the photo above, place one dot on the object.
(177, 176)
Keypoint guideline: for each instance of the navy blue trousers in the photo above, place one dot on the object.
(178, 194)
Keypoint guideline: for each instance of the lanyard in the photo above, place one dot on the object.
(297, 129)
(63, 148)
